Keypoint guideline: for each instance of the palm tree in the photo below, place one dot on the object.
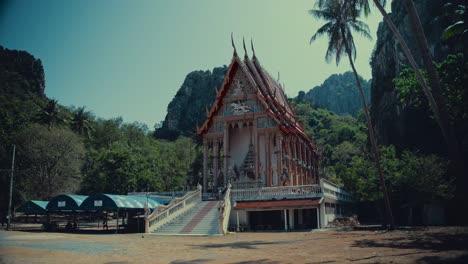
(51, 115)
(434, 95)
(82, 122)
(341, 21)
(459, 26)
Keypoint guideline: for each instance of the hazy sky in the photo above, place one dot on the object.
(128, 58)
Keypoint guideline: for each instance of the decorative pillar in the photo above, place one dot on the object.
(205, 165)
(294, 161)
(307, 153)
(255, 143)
(215, 164)
(279, 156)
(302, 162)
(226, 153)
(289, 158)
(267, 159)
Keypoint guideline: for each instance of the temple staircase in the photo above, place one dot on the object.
(200, 219)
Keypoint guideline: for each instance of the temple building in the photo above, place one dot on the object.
(251, 136)
(254, 142)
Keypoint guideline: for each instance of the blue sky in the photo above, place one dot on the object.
(128, 58)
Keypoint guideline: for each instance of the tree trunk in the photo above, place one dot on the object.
(373, 142)
(448, 132)
(439, 108)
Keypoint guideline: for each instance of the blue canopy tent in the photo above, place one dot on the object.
(66, 203)
(33, 207)
(112, 202)
(127, 204)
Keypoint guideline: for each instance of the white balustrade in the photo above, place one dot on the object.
(164, 213)
(266, 193)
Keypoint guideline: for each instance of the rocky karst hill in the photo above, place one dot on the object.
(338, 93)
(187, 109)
(20, 74)
(395, 123)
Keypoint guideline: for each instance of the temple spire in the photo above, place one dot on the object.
(245, 50)
(233, 46)
(253, 50)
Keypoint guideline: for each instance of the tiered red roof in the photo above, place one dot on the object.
(269, 92)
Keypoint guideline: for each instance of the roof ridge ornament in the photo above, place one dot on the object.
(246, 56)
(233, 46)
(253, 50)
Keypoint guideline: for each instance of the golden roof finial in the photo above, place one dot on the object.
(233, 46)
(245, 50)
(253, 50)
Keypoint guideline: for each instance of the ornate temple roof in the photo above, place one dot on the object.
(269, 92)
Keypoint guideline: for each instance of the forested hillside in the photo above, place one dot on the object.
(68, 150)
(338, 93)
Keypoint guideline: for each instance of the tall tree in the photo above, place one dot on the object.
(433, 93)
(49, 161)
(81, 122)
(51, 115)
(341, 21)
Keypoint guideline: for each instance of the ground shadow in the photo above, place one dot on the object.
(238, 245)
(261, 261)
(426, 241)
(445, 260)
(194, 261)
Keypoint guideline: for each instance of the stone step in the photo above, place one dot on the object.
(201, 219)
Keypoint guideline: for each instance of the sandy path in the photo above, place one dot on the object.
(435, 245)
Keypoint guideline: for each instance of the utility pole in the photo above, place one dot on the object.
(11, 187)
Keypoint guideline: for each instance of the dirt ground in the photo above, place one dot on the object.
(429, 245)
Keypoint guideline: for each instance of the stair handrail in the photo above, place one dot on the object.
(224, 207)
(163, 213)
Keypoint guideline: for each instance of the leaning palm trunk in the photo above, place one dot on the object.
(434, 81)
(435, 97)
(437, 106)
(374, 148)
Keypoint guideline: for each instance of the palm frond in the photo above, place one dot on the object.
(361, 28)
(322, 30)
(455, 29)
(319, 14)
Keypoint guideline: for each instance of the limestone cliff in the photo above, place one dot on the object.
(395, 123)
(338, 93)
(20, 74)
(188, 108)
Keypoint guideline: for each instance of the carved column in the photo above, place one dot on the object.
(255, 143)
(278, 156)
(288, 158)
(226, 153)
(301, 166)
(215, 164)
(205, 165)
(294, 160)
(307, 164)
(267, 159)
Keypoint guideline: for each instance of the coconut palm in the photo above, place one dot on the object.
(82, 122)
(459, 27)
(341, 22)
(437, 101)
(51, 115)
